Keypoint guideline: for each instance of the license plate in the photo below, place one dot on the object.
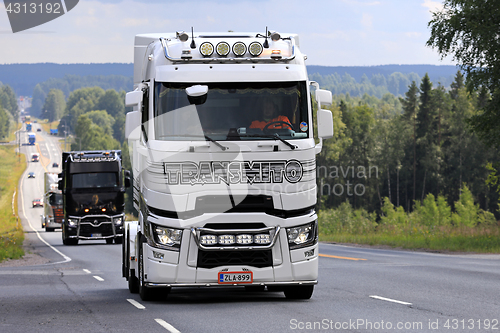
(96, 235)
(235, 277)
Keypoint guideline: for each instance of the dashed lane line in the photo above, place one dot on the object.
(167, 326)
(136, 304)
(98, 278)
(390, 300)
(65, 257)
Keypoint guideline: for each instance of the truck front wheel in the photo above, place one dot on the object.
(66, 240)
(299, 292)
(133, 282)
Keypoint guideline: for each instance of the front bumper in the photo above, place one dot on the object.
(280, 267)
(52, 224)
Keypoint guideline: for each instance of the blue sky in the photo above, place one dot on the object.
(332, 32)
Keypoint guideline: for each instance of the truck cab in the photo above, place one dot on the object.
(223, 154)
(93, 186)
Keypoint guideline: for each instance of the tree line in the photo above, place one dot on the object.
(407, 148)
(377, 85)
(8, 109)
(70, 83)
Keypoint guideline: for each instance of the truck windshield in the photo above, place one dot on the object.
(55, 199)
(93, 180)
(232, 111)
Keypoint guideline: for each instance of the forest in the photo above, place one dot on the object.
(406, 148)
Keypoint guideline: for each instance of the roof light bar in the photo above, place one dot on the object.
(223, 49)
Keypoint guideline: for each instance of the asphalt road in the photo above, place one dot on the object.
(80, 289)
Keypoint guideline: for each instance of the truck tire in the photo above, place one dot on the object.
(49, 229)
(129, 274)
(299, 292)
(109, 240)
(118, 240)
(133, 282)
(66, 240)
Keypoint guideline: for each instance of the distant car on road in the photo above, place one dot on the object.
(38, 129)
(31, 175)
(37, 203)
(55, 165)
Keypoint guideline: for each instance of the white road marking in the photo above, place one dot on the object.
(390, 300)
(87, 271)
(98, 278)
(136, 304)
(167, 326)
(66, 258)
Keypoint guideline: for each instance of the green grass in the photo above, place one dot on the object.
(478, 239)
(11, 231)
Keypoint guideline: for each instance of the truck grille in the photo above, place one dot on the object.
(87, 229)
(211, 259)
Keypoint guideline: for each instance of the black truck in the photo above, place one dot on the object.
(93, 186)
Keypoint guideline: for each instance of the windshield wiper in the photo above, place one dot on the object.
(216, 143)
(274, 136)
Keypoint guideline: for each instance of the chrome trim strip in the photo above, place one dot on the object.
(80, 218)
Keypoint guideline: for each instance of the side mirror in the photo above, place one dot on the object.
(325, 124)
(127, 178)
(323, 97)
(133, 98)
(133, 125)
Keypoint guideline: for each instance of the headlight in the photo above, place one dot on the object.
(118, 220)
(302, 236)
(72, 222)
(167, 236)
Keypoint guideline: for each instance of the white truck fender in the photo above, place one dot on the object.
(131, 231)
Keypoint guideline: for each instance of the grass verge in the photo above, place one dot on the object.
(339, 227)
(12, 167)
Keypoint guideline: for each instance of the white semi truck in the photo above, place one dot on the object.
(225, 188)
(53, 215)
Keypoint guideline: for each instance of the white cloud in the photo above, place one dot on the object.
(413, 34)
(133, 22)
